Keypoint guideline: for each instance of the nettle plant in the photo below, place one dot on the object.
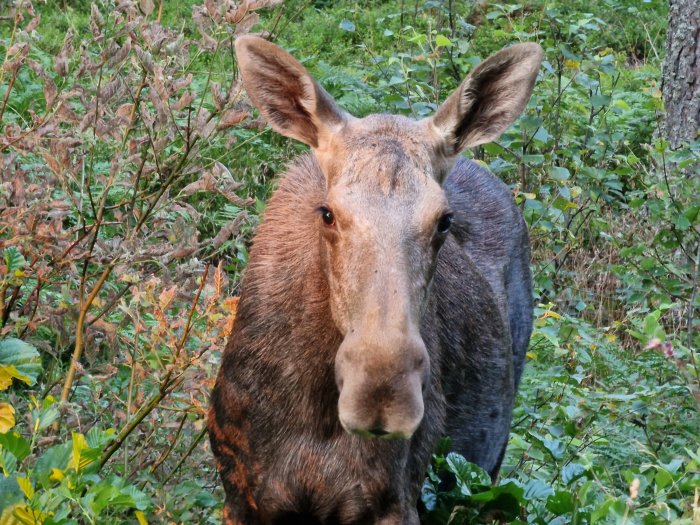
(113, 300)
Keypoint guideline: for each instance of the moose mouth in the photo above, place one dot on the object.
(375, 433)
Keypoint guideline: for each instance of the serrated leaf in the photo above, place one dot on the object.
(14, 260)
(467, 473)
(23, 357)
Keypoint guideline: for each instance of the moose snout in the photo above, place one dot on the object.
(381, 385)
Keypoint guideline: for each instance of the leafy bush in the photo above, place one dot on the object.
(124, 233)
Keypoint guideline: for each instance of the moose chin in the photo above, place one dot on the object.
(387, 302)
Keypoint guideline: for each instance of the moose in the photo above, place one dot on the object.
(387, 302)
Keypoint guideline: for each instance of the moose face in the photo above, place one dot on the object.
(385, 215)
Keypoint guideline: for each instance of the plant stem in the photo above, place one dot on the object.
(77, 352)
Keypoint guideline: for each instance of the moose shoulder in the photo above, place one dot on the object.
(387, 302)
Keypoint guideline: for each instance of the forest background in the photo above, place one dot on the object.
(133, 172)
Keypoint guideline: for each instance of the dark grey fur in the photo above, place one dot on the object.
(274, 429)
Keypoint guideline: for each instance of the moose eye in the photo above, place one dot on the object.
(444, 224)
(327, 216)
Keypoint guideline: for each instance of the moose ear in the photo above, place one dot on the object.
(286, 95)
(490, 99)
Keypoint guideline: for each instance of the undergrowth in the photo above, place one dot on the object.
(134, 172)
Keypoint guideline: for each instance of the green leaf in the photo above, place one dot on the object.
(23, 357)
(443, 41)
(598, 101)
(537, 489)
(555, 447)
(15, 444)
(572, 472)
(560, 503)
(681, 222)
(10, 494)
(559, 173)
(56, 457)
(467, 473)
(14, 260)
(663, 479)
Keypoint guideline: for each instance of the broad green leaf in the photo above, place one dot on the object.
(537, 489)
(572, 472)
(559, 173)
(15, 444)
(56, 457)
(23, 357)
(442, 41)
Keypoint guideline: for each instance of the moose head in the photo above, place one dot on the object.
(385, 215)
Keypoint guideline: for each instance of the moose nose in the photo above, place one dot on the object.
(381, 386)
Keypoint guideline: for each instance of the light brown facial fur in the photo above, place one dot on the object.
(379, 225)
(379, 265)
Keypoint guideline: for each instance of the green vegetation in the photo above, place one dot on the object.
(133, 172)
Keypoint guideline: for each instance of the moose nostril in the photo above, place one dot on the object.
(378, 432)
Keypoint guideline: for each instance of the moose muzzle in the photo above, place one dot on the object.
(380, 377)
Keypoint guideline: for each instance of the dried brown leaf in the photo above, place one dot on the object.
(146, 6)
(218, 97)
(206, 183)
(180, 83)
(232, 117)
(53, 164)
(33, 23)
(229, 229)
(124, 110)
(97, 22)
(166, 297)
(184, 101)
(244, 26)
(110, 89)
(121, 54)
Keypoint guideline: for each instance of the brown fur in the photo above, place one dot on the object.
(376, 324)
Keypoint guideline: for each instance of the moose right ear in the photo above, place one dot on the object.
(286, 95)
(490, 98)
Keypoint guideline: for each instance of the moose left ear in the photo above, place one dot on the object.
(490, 99)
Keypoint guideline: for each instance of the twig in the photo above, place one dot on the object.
(77, 352)
(138, 417)
(691, 311)
(187, 454)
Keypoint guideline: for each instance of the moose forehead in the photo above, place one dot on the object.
(386, 155)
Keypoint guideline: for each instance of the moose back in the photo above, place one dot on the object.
(387, 302)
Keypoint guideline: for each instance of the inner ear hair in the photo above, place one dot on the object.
(489, 100)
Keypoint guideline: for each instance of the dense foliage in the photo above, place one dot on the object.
(133, 172)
